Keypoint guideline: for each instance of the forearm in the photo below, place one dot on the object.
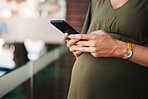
(140, 53)
(100, 44)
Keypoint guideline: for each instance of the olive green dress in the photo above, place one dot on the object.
(112, 78)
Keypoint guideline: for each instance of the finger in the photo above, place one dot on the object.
(98, 32)
(82, 36)
(86, 43)
(77, 53)
(83, 49)
(65, 36)
(101, 55)
(95, 54)
(71, 42)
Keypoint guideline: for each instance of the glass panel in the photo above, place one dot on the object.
(21, 92)
(26, 35)
(52, 81)
(51, 77)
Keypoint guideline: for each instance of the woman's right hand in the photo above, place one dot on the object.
(70, 43)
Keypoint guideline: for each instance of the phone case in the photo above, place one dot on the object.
(63, 26)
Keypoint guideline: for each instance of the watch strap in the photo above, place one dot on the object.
(129, 47)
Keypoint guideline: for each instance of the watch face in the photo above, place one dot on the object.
(127, 53)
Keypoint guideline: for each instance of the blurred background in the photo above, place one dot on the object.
(26, 35)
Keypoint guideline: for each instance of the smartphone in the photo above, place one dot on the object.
(63, 26)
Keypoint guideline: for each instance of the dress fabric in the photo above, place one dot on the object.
(112, 78)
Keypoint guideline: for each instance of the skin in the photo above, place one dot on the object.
(101, 44)
(117, 3)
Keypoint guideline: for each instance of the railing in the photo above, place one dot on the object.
(15, 78)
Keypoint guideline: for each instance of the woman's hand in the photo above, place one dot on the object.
(99, 44)
(70, 43)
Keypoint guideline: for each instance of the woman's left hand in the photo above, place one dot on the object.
(99, 44)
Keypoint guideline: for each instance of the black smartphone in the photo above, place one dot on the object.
(63, 26)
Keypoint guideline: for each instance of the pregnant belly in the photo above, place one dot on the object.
(107, 72)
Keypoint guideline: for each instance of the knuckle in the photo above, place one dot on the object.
(94, 50)
(102, 35)
(75, 41)
(93, 32)
(68, 45)
(75, 54)
(101, 30)
(78, 52)
(95, 55)
(94, 37)
(71, 50)
(94, 44)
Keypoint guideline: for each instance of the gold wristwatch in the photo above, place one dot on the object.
(128, 52)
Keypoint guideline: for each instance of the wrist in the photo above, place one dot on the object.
(119, 48)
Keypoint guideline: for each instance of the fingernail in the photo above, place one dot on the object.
(65, 33)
